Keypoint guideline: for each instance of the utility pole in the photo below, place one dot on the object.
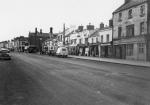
(64, 34)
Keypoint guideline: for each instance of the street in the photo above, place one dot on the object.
(32, 79)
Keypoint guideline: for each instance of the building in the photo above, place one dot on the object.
(19, 43)
(131, 30)
(105, 39)
(4, 44)
(83, 40)
(93, 43)
(51, 43)
(73, 49)
(37, 38)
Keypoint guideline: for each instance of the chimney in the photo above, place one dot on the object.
(90, 27)
(110, 23)
(36, 30)
(40, 31)
(51, 30)
(101, 25)
(80, 28)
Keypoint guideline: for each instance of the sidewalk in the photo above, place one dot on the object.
(110, 60)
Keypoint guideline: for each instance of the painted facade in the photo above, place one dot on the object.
(131, 31)
(105, 39)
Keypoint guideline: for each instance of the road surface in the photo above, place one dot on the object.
(30, 79)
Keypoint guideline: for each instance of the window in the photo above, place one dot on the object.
(92, 40)
(119, 32)
(120, 17)
(75, 41)
(130, 31)
(142, 27)
(129, 49)
(23, 43)
(86, 40)
(107, 37)
(97, 39)
(142, 10)
(102, 39)
(80, 40)
(130, 14)
(141, 48)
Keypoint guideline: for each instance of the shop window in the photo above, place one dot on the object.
(141, 48)
(142, 10)
(129, 50)
(142, 27)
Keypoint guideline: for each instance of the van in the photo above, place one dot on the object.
(62, 52)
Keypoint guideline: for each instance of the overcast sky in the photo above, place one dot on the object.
(18, 17)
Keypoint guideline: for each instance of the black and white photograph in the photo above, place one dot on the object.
(74, 52)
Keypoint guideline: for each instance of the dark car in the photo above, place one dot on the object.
(32, 49)
(4, 56)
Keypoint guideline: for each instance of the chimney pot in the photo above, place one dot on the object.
(40, 31)
(101, 25)
(36, 30)
(51, 30)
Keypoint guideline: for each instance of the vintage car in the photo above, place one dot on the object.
(4, 56)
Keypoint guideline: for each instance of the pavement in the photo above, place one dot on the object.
(118, 61)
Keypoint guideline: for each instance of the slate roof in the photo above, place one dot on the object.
(69, 34)
(95, 33)
(130, 4)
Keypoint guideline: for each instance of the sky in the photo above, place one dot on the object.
(19, 17)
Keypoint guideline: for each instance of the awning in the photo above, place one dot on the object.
(105, 44)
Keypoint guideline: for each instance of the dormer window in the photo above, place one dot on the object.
(130, 14)
(120, 17)
(142, 10)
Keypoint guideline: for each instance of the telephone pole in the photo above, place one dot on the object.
(64, 34)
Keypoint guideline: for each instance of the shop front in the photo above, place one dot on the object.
(106, 50)
(93, 50)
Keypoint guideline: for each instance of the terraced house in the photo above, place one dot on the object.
(131, 30)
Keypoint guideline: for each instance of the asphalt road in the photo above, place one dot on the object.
(30, 79)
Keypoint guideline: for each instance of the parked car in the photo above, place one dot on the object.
(5, 50)
(32, 49)
(62, 52)
(4, 56)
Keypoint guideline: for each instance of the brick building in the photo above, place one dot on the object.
(37, 38)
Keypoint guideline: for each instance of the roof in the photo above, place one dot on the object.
(94, 33)
(69, 33)
(130, 4)
(38, 34)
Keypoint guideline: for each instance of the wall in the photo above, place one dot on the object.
(125, 21)
(104, 33)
